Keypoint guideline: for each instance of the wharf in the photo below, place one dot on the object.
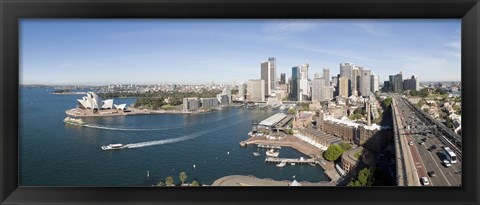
(289, 160)
(301, 146)
(241, 180)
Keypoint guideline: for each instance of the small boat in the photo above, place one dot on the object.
(114, 146)
(292, 163)
(73, 121)
(272, 153)
(256, 154)
(282, 164)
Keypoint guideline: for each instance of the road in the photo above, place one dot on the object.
(413, 128)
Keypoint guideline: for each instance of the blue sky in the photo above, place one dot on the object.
(201, 51)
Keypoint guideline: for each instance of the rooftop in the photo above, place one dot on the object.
(274, 119)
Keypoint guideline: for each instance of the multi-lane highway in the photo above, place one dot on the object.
(422, 145)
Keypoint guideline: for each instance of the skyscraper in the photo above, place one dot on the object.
(282, 79)
(346, 70)
(365, 82)
(374, 83)
(355, 80)
(294, 89)
(318, 89)
(268, 70)
(326, 76)
(256, 90)
(304, 87)
(343, 86)
(398, 83)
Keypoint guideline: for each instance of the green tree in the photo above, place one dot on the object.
(441, 91)
(292, 111)
(386, 103)
(333, 152)
(289, 131)
(169, 181)
(345, 145)
(194, 183)
(183, 177)
(364, 178)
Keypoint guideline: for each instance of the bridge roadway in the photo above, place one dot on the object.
(413, 129)
(406, 172)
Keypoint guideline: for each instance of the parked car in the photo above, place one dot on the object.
(410, 143)
(422, 143)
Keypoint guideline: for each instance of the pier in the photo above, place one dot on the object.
(290, 160)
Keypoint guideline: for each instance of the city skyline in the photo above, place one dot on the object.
(204, 51)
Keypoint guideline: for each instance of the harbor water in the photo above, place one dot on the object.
(205, 146)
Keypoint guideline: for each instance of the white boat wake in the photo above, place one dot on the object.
(130, 129)
(179, 139)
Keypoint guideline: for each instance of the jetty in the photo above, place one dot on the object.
(290, 160)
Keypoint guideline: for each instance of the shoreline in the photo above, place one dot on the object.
(242, 180)
(75, 112)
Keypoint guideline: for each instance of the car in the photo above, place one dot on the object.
(434, 146)
(446, 163)
(432, 174)
(410, 143)
(424, 139)
(425, 181)
(422, 143)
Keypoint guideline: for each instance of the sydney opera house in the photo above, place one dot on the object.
(94, 102)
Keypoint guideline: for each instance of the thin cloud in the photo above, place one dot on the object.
(371, 29)
(291, 26)
(244, 36)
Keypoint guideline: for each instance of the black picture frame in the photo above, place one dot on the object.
(11, 11)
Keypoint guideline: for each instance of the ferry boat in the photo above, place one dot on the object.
(282, 164)
(272, 153)
(113, 146)
(256, 154)
(74, 121)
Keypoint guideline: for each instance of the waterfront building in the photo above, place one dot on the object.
(365, 85)
(343, 86)
(320, 137)
(326, 76)
(374, 83)
(208, 103)
(94, 102)
(242, 88)
(268, 69)
(190, 104)
(373, 137)
(256, 90)
(272, 121)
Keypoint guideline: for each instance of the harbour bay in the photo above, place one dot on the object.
(53, 153)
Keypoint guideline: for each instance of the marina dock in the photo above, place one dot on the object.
(291, 160)
(299, 145)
